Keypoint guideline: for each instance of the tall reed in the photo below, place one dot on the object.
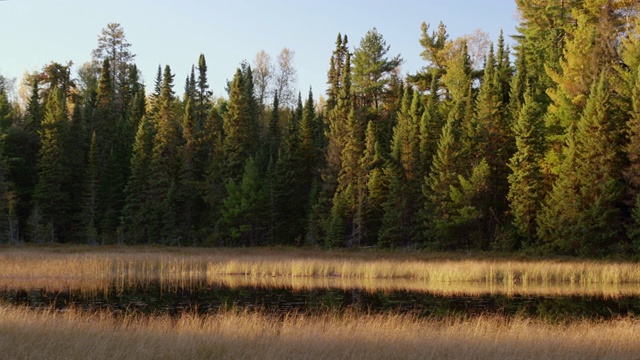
(182, 266)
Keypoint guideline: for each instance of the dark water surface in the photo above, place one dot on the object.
(154, 298)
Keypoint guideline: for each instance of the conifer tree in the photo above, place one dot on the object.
(372, 69)
(526, 180)
(430, 130)
(243, 210)
(202, 105)
(350, 180)
(21, 146)
(135, 220)
(165, 165)
(557, 220)
(240, 124)
(493, 136)
(437, 187)
(188, 197)
(594, 224)
(339, 105)
(632, 170)
(374, 188)
(404, 174)
(51, 199)
(90, 192)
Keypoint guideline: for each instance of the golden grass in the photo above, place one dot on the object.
(27, 334)
(101, 266)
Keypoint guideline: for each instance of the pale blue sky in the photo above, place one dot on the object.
(34, 33)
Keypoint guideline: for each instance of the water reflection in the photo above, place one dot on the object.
(206, 296)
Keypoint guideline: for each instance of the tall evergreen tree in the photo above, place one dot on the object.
(243, 210)
(165, 165)
(135, 222)
(372, 69)
(240, 124)
(90, 191)
(202, 105)
(595, 222)
(50, 197)
(404, 174)
(526, 180)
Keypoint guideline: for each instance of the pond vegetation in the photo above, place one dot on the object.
(293, 303)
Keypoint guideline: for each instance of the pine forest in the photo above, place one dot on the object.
(530, 148)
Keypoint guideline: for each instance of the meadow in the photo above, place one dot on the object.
(27, 334)
(31, 333)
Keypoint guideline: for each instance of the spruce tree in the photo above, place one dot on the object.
(240, 125)
(202, 106)
(374, 188)
(526, 179)
(243, 210)
(135, 220)
(90, 195)
(437, 187)
(188, 197)
(51, 199)
(589, 184)
(632, 171)
(404, 174)
(165, 165)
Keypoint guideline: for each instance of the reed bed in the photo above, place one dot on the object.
(98, 267)
(27, 334)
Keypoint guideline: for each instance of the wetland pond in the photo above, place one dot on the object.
(311, 295)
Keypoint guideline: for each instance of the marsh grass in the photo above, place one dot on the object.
(28, 334)
(95, 269)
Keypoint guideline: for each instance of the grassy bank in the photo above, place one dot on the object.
(26, 334)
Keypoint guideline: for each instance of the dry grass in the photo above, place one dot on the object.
(94, 269)
(26, 334)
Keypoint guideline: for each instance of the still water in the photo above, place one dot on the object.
(155, 297)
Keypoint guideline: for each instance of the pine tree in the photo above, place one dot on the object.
(372, 69)
(434, 53)
(114, 47)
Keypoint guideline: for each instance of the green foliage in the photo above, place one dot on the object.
(582, 214)
(460, 155)
(372, 69)
(525, 191)
(240, 124)
(243, 210)
(50, 194)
